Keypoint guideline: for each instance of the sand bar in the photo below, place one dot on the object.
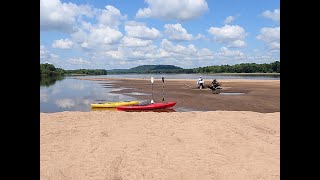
(257, 95)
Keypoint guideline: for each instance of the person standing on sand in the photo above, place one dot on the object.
(200, 82)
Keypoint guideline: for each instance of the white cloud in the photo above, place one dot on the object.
(173, 9)
(65, 103)
(274, 45)
(199, 36)
(227, 56)
(185, 52)
(227, 53)
(125, 53)
(43, 51)
(96, 36)
(177, 32)
(85, 45)
(111, 17)
(104, 35)
(115, 54)
(62, 44)
(137, 30)
(72, 63)
(229, 34)
(261, 56)
(229, 20)
(134, 23)
(54, 56)
(78, 61)
(166, 53)
(46, 56)
(135, 42)
(237, 44)
(93, 36)
(79, 36)
(271, 37)
(57, 16)
(275, 15)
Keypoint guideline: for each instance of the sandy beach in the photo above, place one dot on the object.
(226, 137)
(149, 145)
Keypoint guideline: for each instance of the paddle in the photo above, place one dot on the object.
(162, 89)
(152, 80)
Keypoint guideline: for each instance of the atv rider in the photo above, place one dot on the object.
(215, 85)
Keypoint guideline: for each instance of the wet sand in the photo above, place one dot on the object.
(259, 95)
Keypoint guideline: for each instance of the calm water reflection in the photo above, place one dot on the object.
(48, 81)
(72, 94)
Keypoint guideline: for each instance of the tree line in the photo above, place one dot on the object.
(273, 67)
(51, 71)
(87, 72)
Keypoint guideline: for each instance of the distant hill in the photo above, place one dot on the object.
(148, 69)
(154, 68)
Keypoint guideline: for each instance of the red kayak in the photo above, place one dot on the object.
(147, 106)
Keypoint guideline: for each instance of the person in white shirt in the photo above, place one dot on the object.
(200, 82)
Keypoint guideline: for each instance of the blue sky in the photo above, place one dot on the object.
(117, 34)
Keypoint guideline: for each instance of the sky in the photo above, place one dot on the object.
(120, 34)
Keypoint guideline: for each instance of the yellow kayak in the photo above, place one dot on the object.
(114, 104)
(103, 109)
